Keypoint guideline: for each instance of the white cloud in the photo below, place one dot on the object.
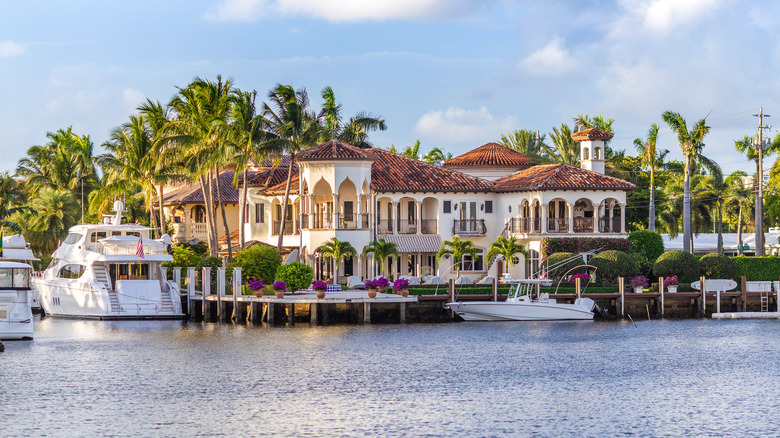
(10, 48)
(343, 10)
(553, 58)
(665, 14)
(459, 125)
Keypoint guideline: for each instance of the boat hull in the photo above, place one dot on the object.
(520, 311)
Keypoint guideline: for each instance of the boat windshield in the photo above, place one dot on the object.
(14, 278)
(72, 238)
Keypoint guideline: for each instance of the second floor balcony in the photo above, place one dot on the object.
(469, 227)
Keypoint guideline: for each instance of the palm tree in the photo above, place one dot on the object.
(691, 143)
(52, 213)
(507, 248)
(527, 142)
(413, 151)
(296, 129)
(436, 155)
(566, 150)
(381, 249)
(649, 158)
(355, 131)
(11, 199)
(754, 151)
(456, 249)
(739, 198)
(337, 249)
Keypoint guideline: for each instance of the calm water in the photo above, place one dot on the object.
(168, 378)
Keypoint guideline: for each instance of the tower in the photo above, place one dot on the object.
(592, 148)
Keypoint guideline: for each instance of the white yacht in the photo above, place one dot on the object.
(16, 320)
(520, 306)
(109, 271)
(15, 249)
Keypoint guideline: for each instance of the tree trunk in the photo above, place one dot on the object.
(162, 212)
(152, 217)
(204, 187)
(242, 205)
(687, 207)
(739, 231)
(720, 225)
(651, 224)
(224, 219)
(335, 271)
(285, 203)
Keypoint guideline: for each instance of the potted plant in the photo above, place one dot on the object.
(671, 283)
(381, 283)
(583, 276)
(320, 286)
(256, 286)
(638, 283)
(371, 287)
(402, 287)
(280, 288)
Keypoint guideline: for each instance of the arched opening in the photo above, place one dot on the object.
(558, 216)
(322, 201)
(583, 216)
(585, 154)
(347, 205)
(596, 153)
(429, 211)
(610, 216)
(384, 216)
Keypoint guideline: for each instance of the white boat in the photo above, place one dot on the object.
(15, 249)
(520, 306)
(16, 320)
(109, 271)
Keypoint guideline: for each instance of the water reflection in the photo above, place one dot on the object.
(131, 378)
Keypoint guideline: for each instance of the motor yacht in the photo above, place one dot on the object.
(521, 305)
(15, 249)
(109, 271)
(16, 320)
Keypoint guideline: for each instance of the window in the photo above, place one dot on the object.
(412, 212)
(94, 237)
(71, 271)
(260, 213)
(348, 210)
(72, 238)
(246, 213)
(470, 264)
(447, 206)
(489, 207)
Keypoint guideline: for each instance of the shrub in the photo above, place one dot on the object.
(718, 266)
(213, 263)
(296, 275)
(677, 262)
(648, 243)
(183, 257)
(258, 261)
(612, 264)
(199, 248)
(577, 245)
(758, 268)
(642, 263)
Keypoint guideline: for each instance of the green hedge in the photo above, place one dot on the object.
(758, 268)
(718, 266)
(648, 243)
(677, 262)
(577, 245)
(612, 264)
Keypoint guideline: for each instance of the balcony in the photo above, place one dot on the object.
(557, 225)
(525, 225)
(429, 226)
(609, 226)
(384, 226)
(583, 224)
(288, 228)
(407, 226)
(469, 227)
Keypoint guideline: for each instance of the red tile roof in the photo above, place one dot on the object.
(591, 134)
(280, 188)
(397, 173)
(491, 154)
(334, 149)
(559, 177)
(192, 194)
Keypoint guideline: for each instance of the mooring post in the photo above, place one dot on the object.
(495, 289)
(622, 297)
(205, 286)
(577, 286)
(402, 310)
(366, 312)
(703, 295)
(451, 289)
(313, 307)
(744, 294)
(270, 310)
(236, 292)
(290, 314)
(220, 293)
(661, 289)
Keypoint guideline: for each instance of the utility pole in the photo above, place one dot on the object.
(759, 220)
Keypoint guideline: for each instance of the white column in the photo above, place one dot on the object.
(391, 223)
(570, 207)
(622, 218)
(359, 265)
(543, 208)
(335, 210)
(418, 215)
(611, 206)
(359, 211)
(597, 219)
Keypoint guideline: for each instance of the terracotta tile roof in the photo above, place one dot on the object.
(334, 149)
(591, 134)
(271, 176)
(491, 154)
(192, 194)
(279, 189)
(560, 177)
(397, 173)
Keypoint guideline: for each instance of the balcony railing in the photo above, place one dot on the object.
(557, 225)
(583, 224)
(525, 225)
(384, 226)
(352, 221)
(609, 226)
(288, 228)
(406, 226)
(469, 227)
(429, 226)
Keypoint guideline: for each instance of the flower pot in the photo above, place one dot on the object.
(320, 293)
(672, 288)
(404, 292)
(372, 293)
(259, 293)
(280, 294)
(638, 289)
(382, 289)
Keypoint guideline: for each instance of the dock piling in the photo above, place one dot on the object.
(236, 292)
(191, 290)
(367, 313)
(205, 287)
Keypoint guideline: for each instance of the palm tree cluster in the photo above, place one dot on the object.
(207, 128)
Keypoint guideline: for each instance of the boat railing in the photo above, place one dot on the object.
(125, 250)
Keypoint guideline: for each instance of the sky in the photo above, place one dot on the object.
(455, 74)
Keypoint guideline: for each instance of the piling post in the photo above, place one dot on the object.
(205, 286)
(236, 292)
(220, 293)
(402, 310)
(495, 289)
(190, 291)
(291, 314)
(451, 289)
(621, 290)
(661, 289)
(270, 310)
(577, 286)
(313, 308)
(703, 306)
(744, 293)
(366, 312)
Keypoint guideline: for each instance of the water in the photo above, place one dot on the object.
(169, 378)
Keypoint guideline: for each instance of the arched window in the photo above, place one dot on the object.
(585, 154)
(597, 153)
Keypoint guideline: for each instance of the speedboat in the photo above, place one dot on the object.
(16, 320)
(521, 306)
(109, 271)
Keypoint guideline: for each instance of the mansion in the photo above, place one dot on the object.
(360, 195)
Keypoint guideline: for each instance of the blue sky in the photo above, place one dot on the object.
(454, 73)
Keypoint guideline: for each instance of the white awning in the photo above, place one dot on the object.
(413, 244)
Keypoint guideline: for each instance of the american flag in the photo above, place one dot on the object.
(139, 251)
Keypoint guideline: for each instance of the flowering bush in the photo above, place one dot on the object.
(671, 281)
(639, 281)
(319, 285)
(255, 284)
(583, 276)
(280, 286)
(370, 284)
(381, 282)
(400, 284)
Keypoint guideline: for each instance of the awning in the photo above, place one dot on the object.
(415, 243)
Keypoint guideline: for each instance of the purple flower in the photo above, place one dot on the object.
(671, 281)
(381, 282)
(370, 284)
(256, 285)
(280, 286)
(639, 281)
(319, 285)
(583, 276)
(401, 283)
